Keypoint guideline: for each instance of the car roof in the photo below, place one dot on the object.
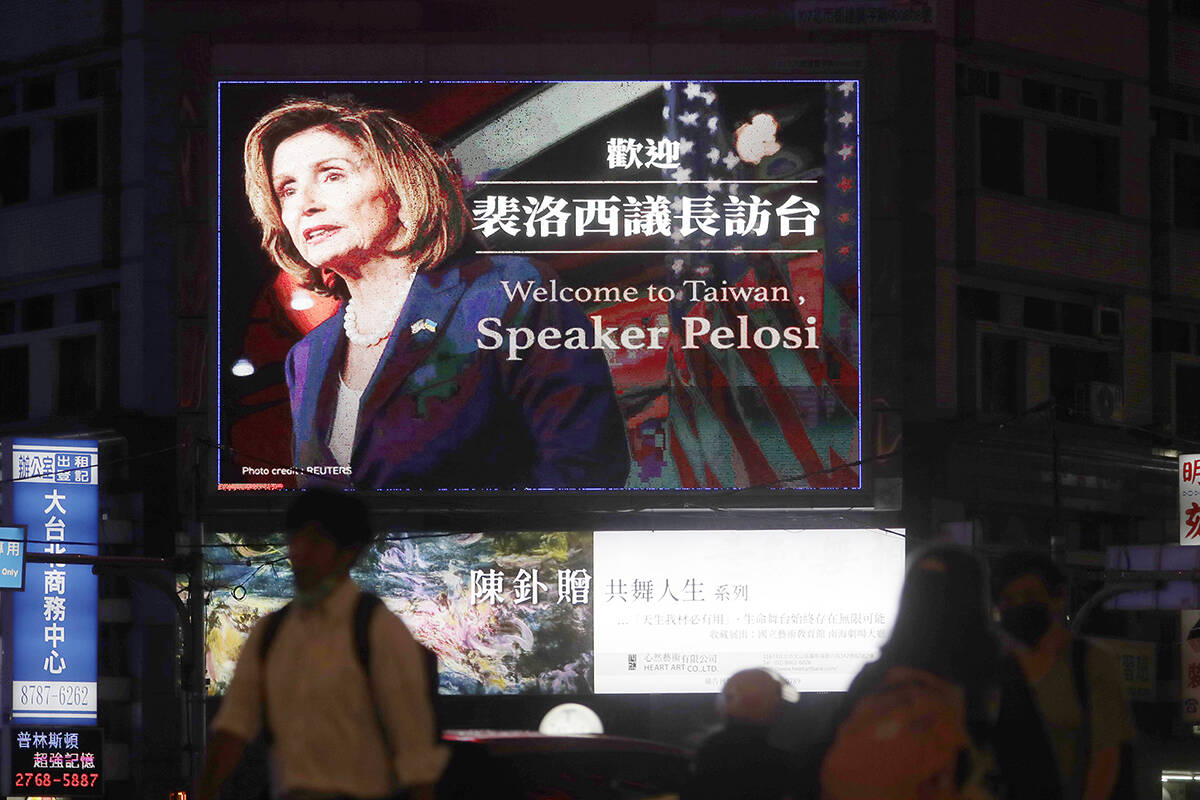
(516, 741)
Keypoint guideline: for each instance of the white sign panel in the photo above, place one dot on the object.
(1189, 498)
(681, 611)
(43, 461)
(1189, 667)
(54, 699)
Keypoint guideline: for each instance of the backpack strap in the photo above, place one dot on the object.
(363, 610)
(270, 630)
(367, 603)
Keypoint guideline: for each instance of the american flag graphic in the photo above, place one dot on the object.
(757, 417)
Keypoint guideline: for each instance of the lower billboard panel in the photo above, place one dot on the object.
(681, 611)
(610, 612)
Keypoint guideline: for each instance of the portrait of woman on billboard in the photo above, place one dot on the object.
(394, 390)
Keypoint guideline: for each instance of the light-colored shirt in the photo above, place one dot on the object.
(345, 421)
(326, 737)
(1057, 697)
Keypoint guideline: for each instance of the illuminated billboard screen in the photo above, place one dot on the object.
(590, 285)
(604, 612)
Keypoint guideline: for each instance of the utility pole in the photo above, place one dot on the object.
(195, 646)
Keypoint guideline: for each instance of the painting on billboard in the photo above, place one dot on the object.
(505, 614)
(593, 285)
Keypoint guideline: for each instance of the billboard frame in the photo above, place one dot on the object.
(691, 507)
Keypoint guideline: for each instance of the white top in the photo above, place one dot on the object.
(326, 735)
(345, 420)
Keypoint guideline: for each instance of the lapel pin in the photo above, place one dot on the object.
(423, 325)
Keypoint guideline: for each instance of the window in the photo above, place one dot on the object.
(96, 303)
(1188, 8)
(1187, 401)
(1000, 370)
(1171, 124)
(99, 80)
(1082, 169)
(1100, 530)
(1187, 190)
(8, 99)
(76, 375)
(37, 313)
(76, 154)
(8, 318)
(1071, 366)
(39, 93)
(1077, 319)
(1082, 319)
(975, 81)
(1001, 153)
(1114, 102)
(14, 389)
(980, 304)
(1076, 103)
(1039, 94)
(1109, 322)
(14, 166)
(1039, 314)
(1170, 336)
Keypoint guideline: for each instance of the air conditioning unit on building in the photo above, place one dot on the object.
(1100, 402)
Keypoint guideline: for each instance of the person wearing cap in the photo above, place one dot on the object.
(335, 732)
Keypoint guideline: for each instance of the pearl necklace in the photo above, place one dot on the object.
(350, 323)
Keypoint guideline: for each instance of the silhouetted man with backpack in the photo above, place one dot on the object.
(334, 678)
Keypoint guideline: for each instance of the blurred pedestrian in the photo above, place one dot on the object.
(336, 680)
(1077, 684)
(740, 761)
(923, 720)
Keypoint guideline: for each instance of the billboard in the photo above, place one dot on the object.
(581, 613)
(1189, 668)
(645, 285)
(54, 623)
(1189, 498)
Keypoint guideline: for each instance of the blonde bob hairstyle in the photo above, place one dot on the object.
(413, 172)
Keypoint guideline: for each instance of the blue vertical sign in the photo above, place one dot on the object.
(12, 557)
(54, 620)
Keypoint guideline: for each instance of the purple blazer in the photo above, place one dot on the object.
(441, 412)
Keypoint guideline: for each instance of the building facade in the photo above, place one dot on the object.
(1031, 306)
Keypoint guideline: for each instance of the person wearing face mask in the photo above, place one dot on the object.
(944, 693)
(337, 731)
(1077, 685)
